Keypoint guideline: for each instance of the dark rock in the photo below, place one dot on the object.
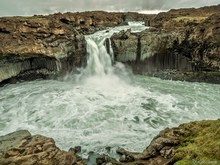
(76, 149)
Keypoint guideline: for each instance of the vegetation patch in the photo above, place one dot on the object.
(200, 145)
(190, 18)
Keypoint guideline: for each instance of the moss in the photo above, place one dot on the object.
(189, 18)
(201, 146)
(27, 18)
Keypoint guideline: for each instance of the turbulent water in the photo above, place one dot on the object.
(104, 105)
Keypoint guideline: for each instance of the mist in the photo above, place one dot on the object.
(31, 7)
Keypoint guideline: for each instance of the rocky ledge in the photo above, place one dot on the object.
(47, 46)
(21, 148)
(181, 44)
(190, 143)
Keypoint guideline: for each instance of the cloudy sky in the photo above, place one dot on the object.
(30, 7)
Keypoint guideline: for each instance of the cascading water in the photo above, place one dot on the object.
(102, 106)
(99, 61)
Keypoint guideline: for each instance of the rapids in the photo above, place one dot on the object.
(104, 106)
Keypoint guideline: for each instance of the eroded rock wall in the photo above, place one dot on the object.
(38, 47)
(149, 51)
(182, 44)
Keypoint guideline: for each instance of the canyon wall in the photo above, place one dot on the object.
(181, 44)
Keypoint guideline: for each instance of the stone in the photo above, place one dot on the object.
(22, 148)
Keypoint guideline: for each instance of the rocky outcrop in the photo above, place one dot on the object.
(190, 143)
(38, 47)
(22, 148)
(46, 46)
(182, 44)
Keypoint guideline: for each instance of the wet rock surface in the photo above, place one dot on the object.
(22, 148)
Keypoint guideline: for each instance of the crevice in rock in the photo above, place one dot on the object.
(138, 56)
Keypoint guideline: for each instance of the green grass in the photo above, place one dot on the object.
(189, 19)
(201, 145)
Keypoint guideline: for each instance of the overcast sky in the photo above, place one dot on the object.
(30, 7)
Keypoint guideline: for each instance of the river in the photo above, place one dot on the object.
(104, 106)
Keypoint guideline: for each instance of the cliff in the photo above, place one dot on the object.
(181, 44)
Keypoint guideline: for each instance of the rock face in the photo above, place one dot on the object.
(38, 47)
(183, 44)
(23, 149)
(190, 143)
(45, 46)
(149, 51)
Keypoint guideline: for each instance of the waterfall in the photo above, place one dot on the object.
(99, 60)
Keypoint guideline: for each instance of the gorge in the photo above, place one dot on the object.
(91, 98)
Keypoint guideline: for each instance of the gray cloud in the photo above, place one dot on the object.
(30, 7)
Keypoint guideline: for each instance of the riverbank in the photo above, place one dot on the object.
(190, 143)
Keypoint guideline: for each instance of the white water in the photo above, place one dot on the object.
(104, 105)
